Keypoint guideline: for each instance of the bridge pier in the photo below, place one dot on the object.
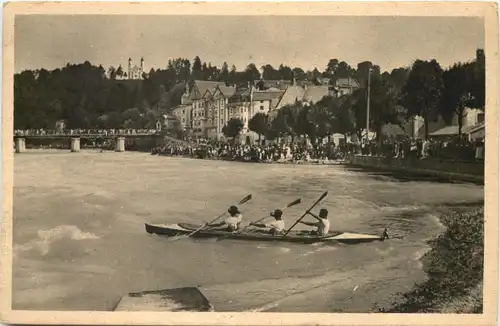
(75, 144)
(20, 145)
(120, 144)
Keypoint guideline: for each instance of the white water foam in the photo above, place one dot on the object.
(46, 238)
(319, 249)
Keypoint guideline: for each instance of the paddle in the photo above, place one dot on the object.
(307, 212)
(242, 201)
(293, 203)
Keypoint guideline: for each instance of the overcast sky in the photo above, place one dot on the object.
(43, 41)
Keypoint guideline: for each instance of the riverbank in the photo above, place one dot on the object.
(447, 170)
(454, 267)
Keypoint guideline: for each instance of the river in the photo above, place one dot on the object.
(80, 243)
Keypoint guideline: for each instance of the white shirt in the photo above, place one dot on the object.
(278, 225)
(323, 227)
(233, 221)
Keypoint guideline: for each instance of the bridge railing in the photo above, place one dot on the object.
(76, 132)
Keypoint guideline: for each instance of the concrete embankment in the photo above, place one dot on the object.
(442, 169)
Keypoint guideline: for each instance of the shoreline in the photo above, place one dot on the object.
(417, 168)
(454, 267)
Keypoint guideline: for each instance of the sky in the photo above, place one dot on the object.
(52, 41)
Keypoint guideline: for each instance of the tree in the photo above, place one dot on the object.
(233, 75)
(361, 74)
(286, 122)
(197, 72)
(478, 87)
(383, 104)
(251, 73)
(457, 92)
(331, 68)
(299, 73)
(259, 124)
(269, 73)
(421, 94)
(338, 113)
(285, 72)
(119, 71)
(344, 70)
(112, 72)
(224, 73)
(233, 128)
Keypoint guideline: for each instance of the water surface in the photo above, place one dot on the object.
(80, 243)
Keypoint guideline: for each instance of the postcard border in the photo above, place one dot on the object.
(488, 10)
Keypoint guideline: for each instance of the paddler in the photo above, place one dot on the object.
(233, 222)
(323, 224)
(275, 227)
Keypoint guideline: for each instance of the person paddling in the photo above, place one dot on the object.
(323, 224)
(232, 222)
(275, 227)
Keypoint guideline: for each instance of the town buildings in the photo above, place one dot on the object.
(207, 106)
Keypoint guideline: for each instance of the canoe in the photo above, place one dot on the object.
(256, 235)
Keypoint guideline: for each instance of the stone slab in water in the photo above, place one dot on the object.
(188, 299)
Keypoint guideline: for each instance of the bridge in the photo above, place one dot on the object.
(118, 135)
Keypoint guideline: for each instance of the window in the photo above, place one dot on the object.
(262, 107)
(480, 118)
(261, 102)
(241, 110)
(183, 112)
(221, 121)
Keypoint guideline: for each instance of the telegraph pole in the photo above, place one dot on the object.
(368, 106)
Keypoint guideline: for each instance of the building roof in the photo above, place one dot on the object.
(316, 93)
(453, 130)
(227, 91)
(203, 86)
(291, 95)
(347, 83)
(270, 83)
(298, 93)
(392, 131)
(272, 96)
(267, 95)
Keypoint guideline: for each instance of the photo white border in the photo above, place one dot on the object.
(487, 10)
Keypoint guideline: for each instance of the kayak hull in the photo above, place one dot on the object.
(179, 229)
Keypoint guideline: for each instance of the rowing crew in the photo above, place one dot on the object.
(276, 227)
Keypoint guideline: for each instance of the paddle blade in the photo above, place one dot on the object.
(247, 198)
(323, 196)
(295, 202)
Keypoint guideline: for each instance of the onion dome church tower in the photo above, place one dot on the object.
(135, 72)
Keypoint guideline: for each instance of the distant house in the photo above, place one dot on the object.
(183, 114)
(472, 124)
(60, 125)
(346, 86)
